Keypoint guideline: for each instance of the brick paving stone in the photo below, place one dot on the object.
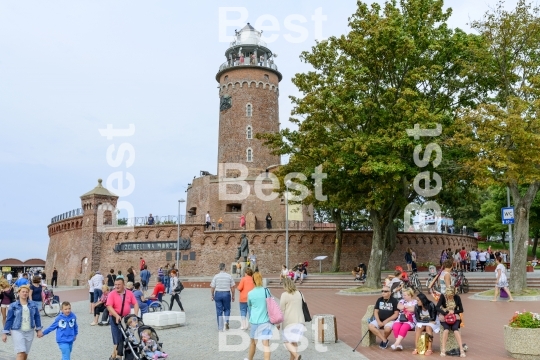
(199, 339)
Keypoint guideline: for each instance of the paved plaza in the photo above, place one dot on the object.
(198, 339)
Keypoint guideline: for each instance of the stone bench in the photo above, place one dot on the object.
(370, 338)
(164, 319)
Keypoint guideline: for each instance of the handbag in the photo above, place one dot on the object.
(402, 317)
(305, 310)
(179, 287)
(274, 311)
(503, 294)
(422, 344)
(450, 319)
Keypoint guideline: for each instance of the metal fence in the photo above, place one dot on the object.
(67, 215)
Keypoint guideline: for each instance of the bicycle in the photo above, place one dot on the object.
(461, 283)
(414, 282)
(51, 305)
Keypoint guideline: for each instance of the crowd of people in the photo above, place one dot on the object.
(473, 260)
(256, 316)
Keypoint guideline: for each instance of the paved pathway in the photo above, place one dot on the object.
(483, 330)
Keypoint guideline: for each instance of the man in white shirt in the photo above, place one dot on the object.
(482, 257)
(473, 256)
(9, 278)
(208, 221)
(253, 261)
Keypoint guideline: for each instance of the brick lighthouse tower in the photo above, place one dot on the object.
(248, 93)
(248, 105)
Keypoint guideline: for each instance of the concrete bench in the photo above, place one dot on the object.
(164, 319)
(370, 338)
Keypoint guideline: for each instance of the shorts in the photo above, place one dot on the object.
(293, 333)
(22, 340)
(4, 306)
(261, 331)
(453, 327)
(389, 324)
(409, 262)
(91, 296)
(39, 304)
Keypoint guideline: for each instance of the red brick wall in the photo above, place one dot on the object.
(67, 249)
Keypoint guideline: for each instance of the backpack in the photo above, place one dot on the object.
(396, 295)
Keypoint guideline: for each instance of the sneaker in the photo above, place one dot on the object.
(227, 326)
(384, 344)
(93, 323)
(399, 347)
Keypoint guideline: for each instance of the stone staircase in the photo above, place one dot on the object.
(339, 282)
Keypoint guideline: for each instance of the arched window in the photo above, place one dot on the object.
(249, 110)
(249, 155)
(249, 133)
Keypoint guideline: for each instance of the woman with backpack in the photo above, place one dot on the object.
(176, 288)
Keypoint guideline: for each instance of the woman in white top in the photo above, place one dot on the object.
(91, 291)
(502, 280)
(293, 318)
(284, 273)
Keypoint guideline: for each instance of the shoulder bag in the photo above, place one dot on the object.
(274, 311)
(450, 319)
(305, 310)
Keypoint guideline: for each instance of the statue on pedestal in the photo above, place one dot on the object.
(243, 249)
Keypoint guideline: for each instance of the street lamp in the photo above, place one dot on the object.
(287, 184)
(178, 240)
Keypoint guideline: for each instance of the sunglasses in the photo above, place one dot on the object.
(385, 291)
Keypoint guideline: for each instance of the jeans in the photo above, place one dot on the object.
(473, 265)
(65, 349)
(97, 294)
(223, 307)
(167, 284)
(244, 309)
(177, 298)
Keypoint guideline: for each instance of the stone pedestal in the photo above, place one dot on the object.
(242, 270)
(370, 338)
(324, 329)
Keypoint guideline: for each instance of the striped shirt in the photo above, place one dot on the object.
(222, 282)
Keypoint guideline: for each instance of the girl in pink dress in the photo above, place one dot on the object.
(242, 221)
(241, 59)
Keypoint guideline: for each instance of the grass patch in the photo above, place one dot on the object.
(525, 292)
(362, 289)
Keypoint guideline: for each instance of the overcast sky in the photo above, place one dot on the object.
(69, 68)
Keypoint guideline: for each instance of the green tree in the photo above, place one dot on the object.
(400, 65)
(504, 130)
(490, 223)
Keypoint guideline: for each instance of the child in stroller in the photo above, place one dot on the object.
(150, 347)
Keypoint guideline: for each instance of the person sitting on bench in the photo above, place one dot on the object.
(357, 273)
(385, 313)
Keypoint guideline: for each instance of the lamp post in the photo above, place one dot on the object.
(287, 183)
(178, 240)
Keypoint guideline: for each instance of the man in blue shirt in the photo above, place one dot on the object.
(145, 278)
(22, 281)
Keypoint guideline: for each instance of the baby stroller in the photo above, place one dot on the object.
(132, 347)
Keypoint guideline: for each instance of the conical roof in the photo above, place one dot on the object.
(248, 27)
(99, 190)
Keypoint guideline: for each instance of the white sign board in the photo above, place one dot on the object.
(507, 215)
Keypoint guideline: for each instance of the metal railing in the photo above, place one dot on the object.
(67, 215)
(228, 64)
(247, 42)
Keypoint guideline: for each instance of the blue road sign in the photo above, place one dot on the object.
(507, 215)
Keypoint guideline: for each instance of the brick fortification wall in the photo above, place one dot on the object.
(213, 247)
(68, 252)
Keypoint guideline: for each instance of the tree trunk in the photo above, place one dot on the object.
(522, 206)
(389, 244)
(336, 217)
(377, 245)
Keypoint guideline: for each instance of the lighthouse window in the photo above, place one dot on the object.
(249, 110)
(249, 155)
(249, 133)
